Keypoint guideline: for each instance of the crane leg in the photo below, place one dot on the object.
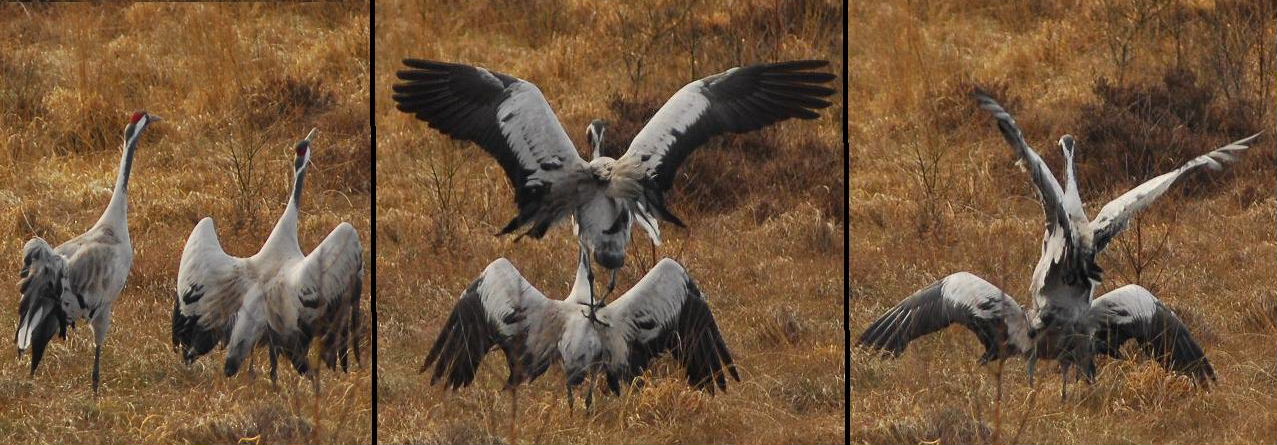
(274, 365)
(514, 415)
(314, 379)
(571, 400)
(97, 368)
(611, 285)
(1064, 381)
(589, 394)
(1033, 364)
(100, 323)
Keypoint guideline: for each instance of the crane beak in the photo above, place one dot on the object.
(153, 118)
(311, 136)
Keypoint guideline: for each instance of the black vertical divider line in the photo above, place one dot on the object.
(372, 122)
(846, 229)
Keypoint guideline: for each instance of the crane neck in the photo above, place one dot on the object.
(118, 210)
(284, 235)
(1070, 180)
(583, 284)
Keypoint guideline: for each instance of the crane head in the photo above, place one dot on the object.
(302, 150)
(1067, 143)
(594, 136)
(137, 122)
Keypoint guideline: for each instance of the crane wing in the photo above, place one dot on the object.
(1048, 188)
(510, 119)
(330, 281)
(40, 313)
(738, 100)
(665, 311)
(1132, 312)
(963, 298)
(1114, 216)
(211, 288)
(500, 308)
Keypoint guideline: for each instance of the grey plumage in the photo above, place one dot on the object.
(81, 278)
(663, 312)
(278, 298)
(511, 120)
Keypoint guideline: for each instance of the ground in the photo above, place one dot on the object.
(765, 212)
(1144, 86)
(236, 85)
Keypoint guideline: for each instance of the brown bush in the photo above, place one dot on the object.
(1136, 132)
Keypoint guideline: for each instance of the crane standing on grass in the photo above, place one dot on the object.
(82, 278)
(279, 296)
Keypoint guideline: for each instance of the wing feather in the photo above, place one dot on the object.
(508, 118)
(500, 308)
(1114, 216)
(665, 311)
(40, 313)
(1132, 312)
(996, 319)
(1048, 187)
(738, 100)
(330, 282)
(211, 289)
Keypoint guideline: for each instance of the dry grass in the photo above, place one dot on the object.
(768, 256)
(935, 191)
(227, 79)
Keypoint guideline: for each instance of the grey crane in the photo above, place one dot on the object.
(277, 297)
(511, 120)
(664, 311)
(1062, 324)
(1002, 326)
(81, 278)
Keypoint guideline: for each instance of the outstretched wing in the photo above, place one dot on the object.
(500, 308)
(962, 298)
(330, 281)
(211, 288)
(1115, 215)
(665, 311)
(1048, 188)
(511, 120)
(40, 314)
(738, 100)
(1132, 312)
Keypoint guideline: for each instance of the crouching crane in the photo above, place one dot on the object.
(1002, 326)
(81, 278)
(277, 297)
(664, 311)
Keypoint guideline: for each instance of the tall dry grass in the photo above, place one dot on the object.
(1144, 86)
(765, 212)
(236, 85)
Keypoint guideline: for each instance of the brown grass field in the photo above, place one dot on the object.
(236, 86)
(1144, 86)
(765, 213)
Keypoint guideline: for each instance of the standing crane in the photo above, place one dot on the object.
(511, 120)
(277, 297)
(81, 278)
